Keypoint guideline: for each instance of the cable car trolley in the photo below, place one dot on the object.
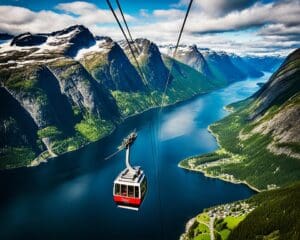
(130, 185)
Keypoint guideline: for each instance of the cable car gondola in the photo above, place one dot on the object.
(130, 185)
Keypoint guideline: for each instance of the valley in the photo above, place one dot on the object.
(75, 88)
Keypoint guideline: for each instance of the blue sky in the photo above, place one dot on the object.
(243, 26)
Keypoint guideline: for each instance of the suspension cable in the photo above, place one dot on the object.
(124, 20)
(127, 28)
(175, 52)
(128, 42)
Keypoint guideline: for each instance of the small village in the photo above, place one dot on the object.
(233, 209)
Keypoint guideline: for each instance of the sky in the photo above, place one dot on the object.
(259, 27)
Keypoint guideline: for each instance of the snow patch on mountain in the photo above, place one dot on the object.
(98, 47)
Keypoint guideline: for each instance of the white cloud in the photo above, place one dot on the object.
(273, 24)
(25, 20)
(257, 15)
(208, 31)
(88, 13)
(168, 14)
(280, 30)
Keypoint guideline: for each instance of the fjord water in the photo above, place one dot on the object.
(70, 197)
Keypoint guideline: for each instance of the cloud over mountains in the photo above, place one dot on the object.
(243, 25)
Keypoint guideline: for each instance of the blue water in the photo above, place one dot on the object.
(70, 197)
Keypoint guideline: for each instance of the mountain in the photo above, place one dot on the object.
(150, 61)
(51, 103)
(248, 69)
(74, 38)
(218, 65)
(222, 67)
(108, 64)
(62, 90)
(260, 140)
(191, 56)
(264, 63)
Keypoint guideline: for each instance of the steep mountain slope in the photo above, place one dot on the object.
(260, 140)
(108, 64)
(17, 129)
(222, 67)
(63, 104)
(192, 57)
(245, 67)
(264, 63)
(150, 61)
(186, 82)
(218, 65)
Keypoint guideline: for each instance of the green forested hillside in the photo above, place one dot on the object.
(269, 215)
(259, 142)
(277, 216)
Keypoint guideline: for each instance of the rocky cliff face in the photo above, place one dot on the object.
(16, 125)
(27, 86)
(83, 90)
(191, 56)
(276, 109)
(283, 84)
(150, 61)
(28, 39)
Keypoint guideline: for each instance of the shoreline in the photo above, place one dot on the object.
(221, 178)
(216, 136)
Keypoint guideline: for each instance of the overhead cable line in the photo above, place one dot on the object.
(128, 42)
(175, 51)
